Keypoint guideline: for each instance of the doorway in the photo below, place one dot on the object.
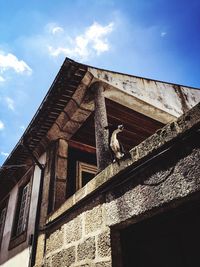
(170, 239)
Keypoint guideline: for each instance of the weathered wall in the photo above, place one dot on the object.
(20, 259)
(171, 99)
(85, 234)
(21, 253)
(83, 240)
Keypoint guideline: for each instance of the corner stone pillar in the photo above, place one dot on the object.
(58, 174)
(100, 121)
(61, 172)
(54, 189)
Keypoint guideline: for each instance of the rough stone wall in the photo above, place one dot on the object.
(83, 241)
(165, 185)
(85, 236)
(164, 172)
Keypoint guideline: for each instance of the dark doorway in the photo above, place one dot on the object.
(170, 239)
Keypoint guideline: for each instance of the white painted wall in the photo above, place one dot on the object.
(19, 256)
(19, 260)
(157, 96)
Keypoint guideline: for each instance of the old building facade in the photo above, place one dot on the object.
(64, 203)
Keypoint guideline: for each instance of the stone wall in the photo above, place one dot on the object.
(165, 175)
(85, 235)
(83, 241)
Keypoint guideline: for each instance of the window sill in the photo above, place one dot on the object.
(17, 240)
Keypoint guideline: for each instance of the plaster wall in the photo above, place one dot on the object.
(172, 99)
(21, 253)
(8, 224)
(19, 260)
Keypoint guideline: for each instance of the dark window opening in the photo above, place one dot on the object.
(82, 147)
(169, 239)
(84, 173)
(86, 177)
(81, 169)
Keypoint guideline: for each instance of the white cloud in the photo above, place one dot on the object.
(10, 61)
(57, 30)
(5, 154)
(2, 126)
(60, 50)
(10, 103)
(54, 28)
(92, 42)
(2, 79)
(162, 34)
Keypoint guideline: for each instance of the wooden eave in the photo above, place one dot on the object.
(137, 127)
(67, 80)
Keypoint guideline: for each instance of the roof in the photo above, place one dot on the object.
(61, 90)
(58, 96)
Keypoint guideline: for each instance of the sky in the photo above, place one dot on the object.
(156, 39)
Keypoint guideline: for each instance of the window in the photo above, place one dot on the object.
(21, 215)
(23, 209)
(84, 173)
(20, 222)
(3, 210)
(81, 168)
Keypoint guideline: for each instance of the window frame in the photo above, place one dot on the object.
(3, 205)
(18, 238)
(83, 167)
(23, 205)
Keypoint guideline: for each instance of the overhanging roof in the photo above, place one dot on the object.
(60, 93)
(62, 89)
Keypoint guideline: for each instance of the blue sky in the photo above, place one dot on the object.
(158, 39)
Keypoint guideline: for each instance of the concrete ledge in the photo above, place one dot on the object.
(147, 148)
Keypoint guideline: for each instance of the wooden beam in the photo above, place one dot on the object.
(81, 146)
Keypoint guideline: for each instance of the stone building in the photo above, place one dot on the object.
(64, 203)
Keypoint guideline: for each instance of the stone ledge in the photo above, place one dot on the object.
(148, 147)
